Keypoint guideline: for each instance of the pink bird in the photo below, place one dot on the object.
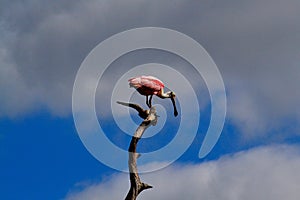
(149, 86)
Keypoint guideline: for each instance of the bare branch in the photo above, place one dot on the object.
(136, 186)
(142, 113)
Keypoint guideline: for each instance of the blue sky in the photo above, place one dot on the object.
(255, 45)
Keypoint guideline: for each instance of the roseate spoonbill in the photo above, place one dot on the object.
(149, 86)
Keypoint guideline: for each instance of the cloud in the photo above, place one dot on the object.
(255, 44)
(269, 172)
(46, 42)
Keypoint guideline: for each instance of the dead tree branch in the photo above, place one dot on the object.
(142, 113)
(150, 118)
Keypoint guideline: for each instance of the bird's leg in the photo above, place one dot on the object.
(147, 101)
(150, 101)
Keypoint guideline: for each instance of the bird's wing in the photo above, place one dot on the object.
(135, 82)
(152, 82)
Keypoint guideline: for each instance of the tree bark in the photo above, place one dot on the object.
(150, 118)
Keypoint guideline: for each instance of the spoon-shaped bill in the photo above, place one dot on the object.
(174, 106)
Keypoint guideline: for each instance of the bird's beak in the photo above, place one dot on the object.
(174, 105)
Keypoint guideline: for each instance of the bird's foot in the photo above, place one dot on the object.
(149, 105)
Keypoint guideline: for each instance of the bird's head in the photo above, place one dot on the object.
(171, 94)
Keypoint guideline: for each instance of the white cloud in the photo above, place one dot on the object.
(266, 173)
(13, 89)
